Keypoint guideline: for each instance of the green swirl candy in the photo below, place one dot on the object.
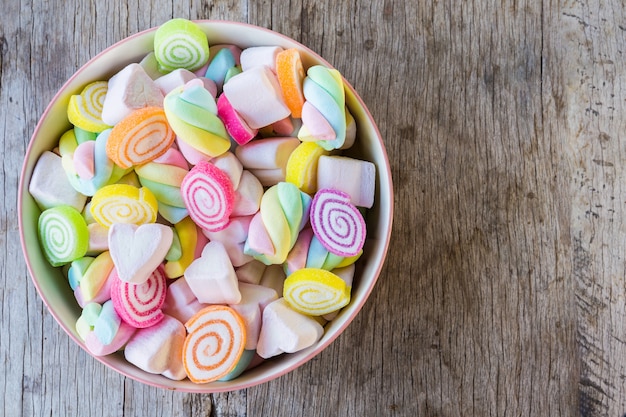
(63, 235)
(180, 43)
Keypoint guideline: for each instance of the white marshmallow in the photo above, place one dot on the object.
(176, 78)
(154, 349)
(274, 277)
(130, 89)
(332, 172)
(229, 163)
(268, 153)
(285, 330)
(256, 95)
(251, 272)
(180, 302)
(254, 299)
(212, 276)
(259, 55)
(49, 185)
(248, 195)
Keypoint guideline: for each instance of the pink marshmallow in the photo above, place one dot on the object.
(285, 330)
(97, 348)
(254, 299)
(235, 232)
(157, 349)
(259, 55)
(83, 159)
(212, 277)
(256, 95)
(237, 128)
(130, 89)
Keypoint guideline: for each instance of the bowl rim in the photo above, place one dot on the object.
(229, 385)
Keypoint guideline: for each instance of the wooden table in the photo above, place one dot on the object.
(504, 291)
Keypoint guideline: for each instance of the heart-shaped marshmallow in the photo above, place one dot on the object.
(138, 250)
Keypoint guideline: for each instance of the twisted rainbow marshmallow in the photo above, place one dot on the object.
(324, 111)
(274, 229)
(192, 113)
(163, 177)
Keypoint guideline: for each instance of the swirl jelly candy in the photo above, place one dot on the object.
(63, 234)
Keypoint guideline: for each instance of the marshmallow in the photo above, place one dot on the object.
(255, 94)
(254, 299)
(180, 302)
(49, 185)
(174, 79)
(259, 55)
(285, 330)
(212, 277)
(157, 349)
(248, 195)
(128, 90)
(138, 250)
(332, 170)
(251, 272)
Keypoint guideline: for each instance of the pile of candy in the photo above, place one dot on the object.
(200, 206)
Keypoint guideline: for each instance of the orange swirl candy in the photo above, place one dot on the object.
(140, 137)
(216, 341)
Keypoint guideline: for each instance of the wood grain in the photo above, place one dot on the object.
(504, 291)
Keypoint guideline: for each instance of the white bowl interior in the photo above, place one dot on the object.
(52, 284)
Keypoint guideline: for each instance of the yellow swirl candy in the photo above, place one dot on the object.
(85, 109)
(123, 203)
(302, 166)
(315, 291)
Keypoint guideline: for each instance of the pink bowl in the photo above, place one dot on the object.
(52, 285)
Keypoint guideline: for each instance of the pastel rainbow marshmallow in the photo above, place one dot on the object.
(302, 166)
(102, 330)
(85, 109)
(214, 344)
(90, 278)
(192, 113)
(180, 43)
(192, 241)
(273, 231)
(49, 185)
(63, 234)
(159, 349)
(137, 251)
(362, 185)
(163, 177)
(236, 126)
(323, 112)
(254, 299)
(139, 305)
(223, 64)
(337, 223)
(267, 158)
(256, 96)
(315, 291)
(308, 252)
(212, 277)
(128, 90)
(283, 329)
(123, 203)
(209, 196)
(86, 164)
(140, 137)
(180, 302)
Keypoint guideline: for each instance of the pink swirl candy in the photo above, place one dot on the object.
(139, 305)
(337, 223)
(209, 196)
